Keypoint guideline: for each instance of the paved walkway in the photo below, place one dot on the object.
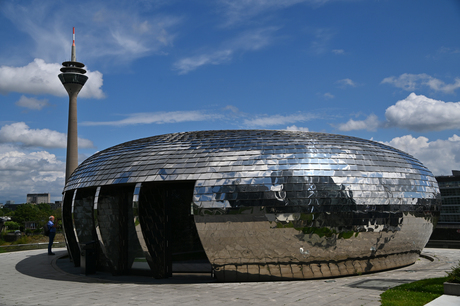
(34, 278)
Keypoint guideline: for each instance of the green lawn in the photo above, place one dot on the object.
(29, 243)
(413, 294)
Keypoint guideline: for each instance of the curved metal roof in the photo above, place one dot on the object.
(260, 157)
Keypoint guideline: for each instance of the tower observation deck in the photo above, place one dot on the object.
(73, 78)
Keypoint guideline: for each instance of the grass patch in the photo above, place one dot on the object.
(414, 294)
(26, 239)
(31, 242)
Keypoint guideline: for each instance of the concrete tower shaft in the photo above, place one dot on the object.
(73, 79)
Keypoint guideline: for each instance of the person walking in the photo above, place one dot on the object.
(52, 228)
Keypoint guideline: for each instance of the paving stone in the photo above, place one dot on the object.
(34, 278)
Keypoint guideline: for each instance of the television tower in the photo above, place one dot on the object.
(73, 78)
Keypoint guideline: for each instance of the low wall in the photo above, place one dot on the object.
(443, 244)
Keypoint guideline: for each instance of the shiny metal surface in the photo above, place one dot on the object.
(95, 218)
(66, 223)
(68, 226)
(103, 254)
(139, 234)
(83, 215)
(73, 217)
(282, 204)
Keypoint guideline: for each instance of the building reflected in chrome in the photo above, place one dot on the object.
(253, 204)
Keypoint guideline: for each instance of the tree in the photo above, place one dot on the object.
(57, 213)
(30, 212)
(5, 212)
(12, 225)
(45, 208)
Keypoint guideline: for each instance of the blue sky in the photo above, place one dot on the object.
(384, 70)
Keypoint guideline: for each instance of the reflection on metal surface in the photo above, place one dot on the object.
(238, 250)
(83, 215)
(117, 232)
(304, 252)
(66, 226)
(139, 261)
(69, 232)
(72, 211)
(96, 223)
(272, 204)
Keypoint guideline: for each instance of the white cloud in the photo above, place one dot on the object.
(439, 85)
(439, 156)
(253, 39)
(32, 103)
(20, 133)
(232, 108)
(105, 30)
(328, 95)
(158, 118)
(405, 81)
(371, 123)
(21, 161)
(92, 88)
(238, 11)
(419, 113)
(277, 120)
(320, 43)
(248, 41)
(36, 78)
(186, 65)
(23, 172)
(295, 128)
(338, 51)
(448, 50)
(411, 82)
(39, 77)
(346, 82)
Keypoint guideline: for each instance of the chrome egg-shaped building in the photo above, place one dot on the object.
(253, 204)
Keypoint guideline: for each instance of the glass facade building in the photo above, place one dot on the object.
(450, 193)
(254, 204)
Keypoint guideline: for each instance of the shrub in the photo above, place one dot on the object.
(12, 225)
(453, 276)
(22, 240)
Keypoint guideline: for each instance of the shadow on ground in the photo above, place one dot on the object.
(59, 267)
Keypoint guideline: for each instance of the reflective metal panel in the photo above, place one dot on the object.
(145, 261)
(73, 215)
(69, 232)
(95, 218)
(83, 215)
(103, 261)
(312, 200)
(116, 231)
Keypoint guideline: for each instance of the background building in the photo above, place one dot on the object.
(448, 227)
(56, 205)
(450, 194)
(38, 198)
(10, 206)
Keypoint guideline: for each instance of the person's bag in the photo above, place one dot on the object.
(46, 229)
